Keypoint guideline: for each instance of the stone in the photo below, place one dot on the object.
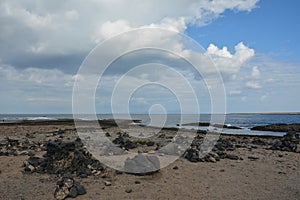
(60, 132)
(150, 143)
(107, 183)
(66, 158)
(232, 157)
(73, 192)
(192, 155)
(80, 189)
(212, 159)
(224, 144)
(142, 164)
(252, 158)
(31, 168)
(128, 190)
(69, 182)
(259, 142)
(35, 161)
(175, 167)
(68, 187)
(289, 142)
(124, 142)
(61, 193)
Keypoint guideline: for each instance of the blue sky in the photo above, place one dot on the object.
(253, 43)
(271, 28)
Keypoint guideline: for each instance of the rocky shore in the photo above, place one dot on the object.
(49, 161)
(278, 128)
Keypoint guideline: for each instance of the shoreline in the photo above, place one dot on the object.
(269, 130)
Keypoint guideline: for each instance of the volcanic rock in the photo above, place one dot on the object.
(289, 142)
(68, 187)
(66, 157)
(124, 142)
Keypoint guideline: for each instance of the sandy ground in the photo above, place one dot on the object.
(274, 175)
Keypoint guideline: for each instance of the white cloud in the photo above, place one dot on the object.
(228, 62)
(253, 85)
(65, 28)
(262, 98)
(255, 73)
(110, 29)
(35, 77)
(45, 29)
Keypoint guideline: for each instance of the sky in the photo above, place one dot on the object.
(254, 45)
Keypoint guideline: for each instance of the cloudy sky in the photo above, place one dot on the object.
(254, 44)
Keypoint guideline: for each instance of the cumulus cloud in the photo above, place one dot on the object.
(228, 62)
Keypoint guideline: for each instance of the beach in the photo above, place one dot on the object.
(241, 167)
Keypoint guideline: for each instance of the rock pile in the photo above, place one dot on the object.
(219, 151)
(14, 147)
(68, 187)
(123, 141)
(65, 157)
(289, 142)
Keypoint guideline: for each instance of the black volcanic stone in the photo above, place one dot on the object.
(232, 157)
(123, 142)
(66, 157)
(150, 143)
(289, 142)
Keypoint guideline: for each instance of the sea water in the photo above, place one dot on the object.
(244, 121)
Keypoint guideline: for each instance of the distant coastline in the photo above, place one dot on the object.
(266, 113)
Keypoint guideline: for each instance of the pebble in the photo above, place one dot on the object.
(212, 159)
(232, 157)
(128, 190)
(107, 183)
(31, 168)
(252, 158)
(73, 192)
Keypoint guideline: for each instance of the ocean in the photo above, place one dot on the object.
(245, 121)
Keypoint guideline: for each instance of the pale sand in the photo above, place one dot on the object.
(275, 175)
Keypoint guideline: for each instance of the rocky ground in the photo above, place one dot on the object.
(49, 161)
